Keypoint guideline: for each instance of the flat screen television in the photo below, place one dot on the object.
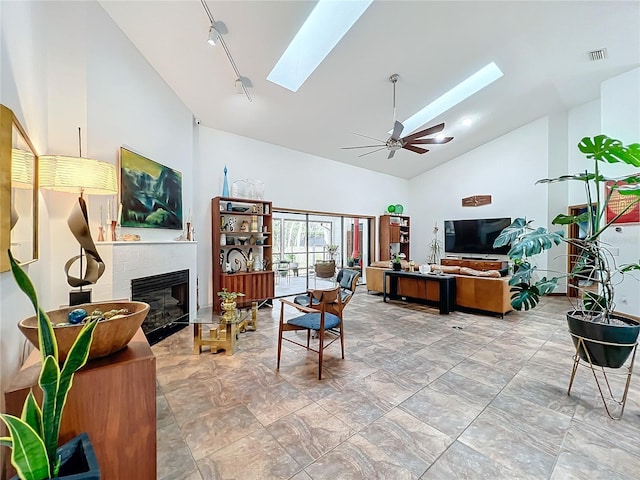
(474, 236)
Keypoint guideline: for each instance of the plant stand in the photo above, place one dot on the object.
(581, 346)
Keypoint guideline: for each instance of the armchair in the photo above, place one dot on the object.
(316, 318)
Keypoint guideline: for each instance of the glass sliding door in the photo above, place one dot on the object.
(310, 248)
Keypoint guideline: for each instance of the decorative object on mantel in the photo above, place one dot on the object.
(84, 175)
(248, 188)
(225, 184)
(151, 193)
(476, 201)
(130, 237)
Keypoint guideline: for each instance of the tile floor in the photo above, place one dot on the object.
(419, 395)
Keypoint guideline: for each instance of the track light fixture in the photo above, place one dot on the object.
(239, 86)
(215, 36)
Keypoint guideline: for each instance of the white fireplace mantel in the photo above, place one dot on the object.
(125, 261)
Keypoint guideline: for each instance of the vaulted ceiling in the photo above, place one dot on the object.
(541, 46)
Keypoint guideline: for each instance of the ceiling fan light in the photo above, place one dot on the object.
(440, 137)
(214, 36)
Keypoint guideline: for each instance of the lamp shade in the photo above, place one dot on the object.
(22, 168)
(73, 174)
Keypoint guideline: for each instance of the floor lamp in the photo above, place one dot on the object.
(86, 177)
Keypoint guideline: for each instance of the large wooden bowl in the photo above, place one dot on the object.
(108, 337)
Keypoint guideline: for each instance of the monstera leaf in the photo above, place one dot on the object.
(535, 242)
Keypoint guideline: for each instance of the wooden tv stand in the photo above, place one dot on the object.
(476, 264)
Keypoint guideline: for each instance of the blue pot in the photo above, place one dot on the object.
(77, 460)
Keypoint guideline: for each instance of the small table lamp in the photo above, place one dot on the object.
(86, 176)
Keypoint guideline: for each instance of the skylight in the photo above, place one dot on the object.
(476, 82)
(321, 31)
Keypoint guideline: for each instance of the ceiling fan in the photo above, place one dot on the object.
(396, 142)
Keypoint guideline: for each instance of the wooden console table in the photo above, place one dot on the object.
(113, 399)
(427, 287)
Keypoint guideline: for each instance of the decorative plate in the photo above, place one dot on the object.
(235, 259)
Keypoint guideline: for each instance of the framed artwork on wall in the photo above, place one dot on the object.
(151, 194)
(618, 203)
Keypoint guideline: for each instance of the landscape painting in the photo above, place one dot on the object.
(151, 194)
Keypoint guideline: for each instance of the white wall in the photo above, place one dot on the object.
(620, 97)
(505, 168)
(292, 180)
(66, 65)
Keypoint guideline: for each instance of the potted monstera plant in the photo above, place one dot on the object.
(33, 438)
(594, 271)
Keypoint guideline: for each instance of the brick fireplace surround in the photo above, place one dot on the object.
(128, 260)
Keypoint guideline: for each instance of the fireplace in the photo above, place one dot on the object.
(168, 297)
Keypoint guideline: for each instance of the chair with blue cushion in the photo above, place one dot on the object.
(348, 281)
(315, 318)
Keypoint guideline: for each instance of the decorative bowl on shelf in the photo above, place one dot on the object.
(243, 240)
(239, 209)
(109, 336)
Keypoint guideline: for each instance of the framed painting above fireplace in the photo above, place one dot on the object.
(151, 193)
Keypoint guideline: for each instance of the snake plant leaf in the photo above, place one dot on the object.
(76, 359)
(28, 454)
(31, 413)
(511, 233)
(535, 242)
(49, 384)
(524, 297)
(46, 340)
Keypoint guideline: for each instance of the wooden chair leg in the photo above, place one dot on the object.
(308, 338)
(280, 339)
(320, 351)
(342, 340)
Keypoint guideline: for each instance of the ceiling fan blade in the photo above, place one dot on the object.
(397, 130)
(373, 151)
(391, 154)
(431, 141)
(415, 149)
(367, 136)
(363, 146)
(423, 133)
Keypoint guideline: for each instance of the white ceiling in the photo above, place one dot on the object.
(541, 46)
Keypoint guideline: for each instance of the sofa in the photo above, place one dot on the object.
(485, 291)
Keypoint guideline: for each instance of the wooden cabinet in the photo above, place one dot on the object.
(395, 235)
(113, 399)
(241, 231)
(478, 264)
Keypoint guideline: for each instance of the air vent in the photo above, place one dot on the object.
(600, 54)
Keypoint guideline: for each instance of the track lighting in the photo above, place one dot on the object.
(239, 86)
(214, 36)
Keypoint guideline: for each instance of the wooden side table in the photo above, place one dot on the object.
(113, 399)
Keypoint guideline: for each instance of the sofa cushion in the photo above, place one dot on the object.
(479, 273)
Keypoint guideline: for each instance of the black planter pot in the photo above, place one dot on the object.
(611, 356)
(77, 460)
(396, 266)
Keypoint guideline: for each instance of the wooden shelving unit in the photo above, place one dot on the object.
(394, 229)
(232, 244)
